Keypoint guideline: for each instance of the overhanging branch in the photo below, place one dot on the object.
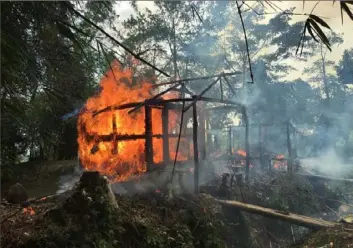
(113, 39)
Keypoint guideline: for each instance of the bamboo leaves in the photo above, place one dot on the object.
(344, 6)
(312, 25)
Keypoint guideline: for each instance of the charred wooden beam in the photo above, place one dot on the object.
(115, 140)
(229, 85)
(161, 101)
(153, 98)
(196, 150)
(184, 90)
(190, 80)
(224, 107)
(127, 137)
(247, 147)
(148, 135)
(196, 98)
(209, 99)
(229, 140)
(221, 87)
(289, 147)
(261, 152)
(165, 124)
(203, 134)
(118, 107)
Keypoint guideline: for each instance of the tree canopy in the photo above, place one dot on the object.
(54, 53)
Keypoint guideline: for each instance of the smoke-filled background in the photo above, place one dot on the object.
(185, 39)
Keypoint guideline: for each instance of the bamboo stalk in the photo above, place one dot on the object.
(196, 150)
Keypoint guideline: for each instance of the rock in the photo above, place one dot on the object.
(17, 194)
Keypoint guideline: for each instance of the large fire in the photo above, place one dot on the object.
(121, 159)
(281, 163)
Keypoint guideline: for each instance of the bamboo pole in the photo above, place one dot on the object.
(191, 80)
(230, 140)
(115, 139)
(289, 147)
(196, 151)
(198, 97)
(203, 134)
(247, 147)
(165, 122)
(261, 152)
(148, 134)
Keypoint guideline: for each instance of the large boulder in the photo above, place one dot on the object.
(17, 194)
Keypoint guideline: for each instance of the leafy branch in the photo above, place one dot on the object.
(72, 9)
(312, 24)
(313, 28)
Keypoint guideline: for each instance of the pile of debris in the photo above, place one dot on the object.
(91, 216)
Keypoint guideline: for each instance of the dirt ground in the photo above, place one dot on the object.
(86, 217)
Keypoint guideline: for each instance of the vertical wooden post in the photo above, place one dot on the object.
(203, 134)
(115, 134)
(165, 122)
(247, 147)
(221, 86)
(230, 140)
(148, 137)
(295, 150)
(208, 135)
(261, 152)
(289, 146)
(209, 143)
(196, 151)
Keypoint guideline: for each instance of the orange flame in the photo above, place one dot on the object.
(241, 152)
(28, 210)
(121, 159)
(279, 164)
(280, 156)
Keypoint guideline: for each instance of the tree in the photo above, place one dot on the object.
(345, 67)
(48, 68)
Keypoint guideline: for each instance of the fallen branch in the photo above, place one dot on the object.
(300, 220)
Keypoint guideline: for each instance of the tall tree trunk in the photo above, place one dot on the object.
(327, 121)
(324, 77)
(174, 51)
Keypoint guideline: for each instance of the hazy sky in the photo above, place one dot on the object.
(332, 16)
(325, 9)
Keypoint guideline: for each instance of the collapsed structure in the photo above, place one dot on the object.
(125, 130)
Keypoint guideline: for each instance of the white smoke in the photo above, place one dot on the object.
(329, 163)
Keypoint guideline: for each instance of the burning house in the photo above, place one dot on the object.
(124, 130)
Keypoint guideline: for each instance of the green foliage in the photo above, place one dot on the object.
(345, 67)
(52, 60)
(48, 69)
